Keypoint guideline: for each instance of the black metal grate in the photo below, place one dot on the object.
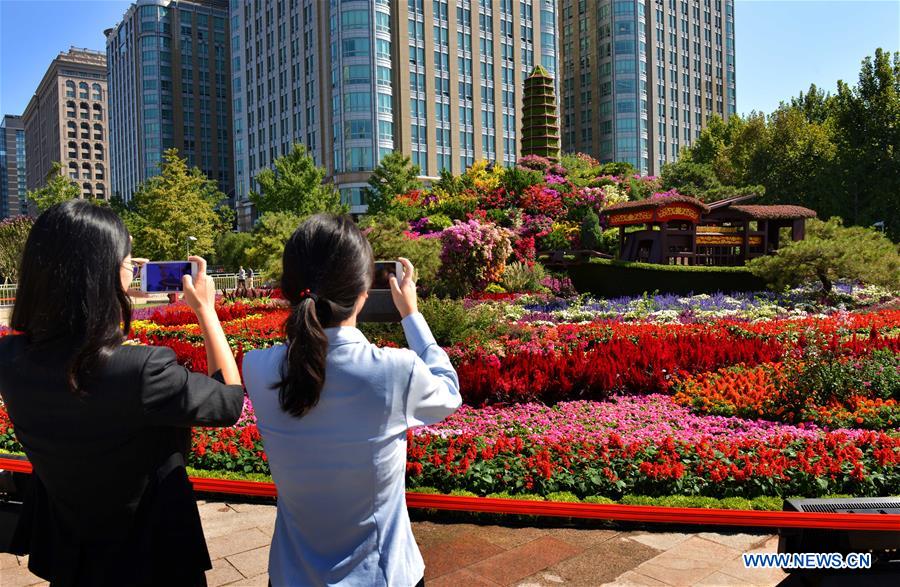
(868, 506)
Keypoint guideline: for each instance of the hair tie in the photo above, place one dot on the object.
(308, 294)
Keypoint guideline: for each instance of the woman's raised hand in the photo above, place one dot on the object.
(199, 292)
(404, 291)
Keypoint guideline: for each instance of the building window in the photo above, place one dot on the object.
(70, 89)
(83, 90)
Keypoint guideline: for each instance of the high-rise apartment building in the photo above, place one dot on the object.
(66, 121)
(13, 187)
(170, 87)
(641, 78)
(439, 80)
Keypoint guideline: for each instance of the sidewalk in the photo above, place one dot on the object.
(470, 555)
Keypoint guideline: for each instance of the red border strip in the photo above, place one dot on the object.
(631, 513)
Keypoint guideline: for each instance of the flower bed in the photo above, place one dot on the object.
(721, 430)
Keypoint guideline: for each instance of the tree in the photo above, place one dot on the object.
(57, 189)
(689, 178)
(271, 232)
(170, 207)
(868, 134)
(817, 105)
(395, 175)
(13, 234)
(296, 185)
(832, 251)
(231, 250)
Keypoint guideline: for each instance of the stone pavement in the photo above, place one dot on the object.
(470, 555)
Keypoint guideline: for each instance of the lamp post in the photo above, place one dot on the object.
(189, 240)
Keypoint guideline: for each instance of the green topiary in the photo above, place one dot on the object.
(591, 233)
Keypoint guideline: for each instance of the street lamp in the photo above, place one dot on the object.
(189, 239)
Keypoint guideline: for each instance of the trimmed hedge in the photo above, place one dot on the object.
(609, 279)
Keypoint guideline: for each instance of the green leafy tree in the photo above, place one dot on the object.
(395, 175)
(13, 234)
(271, 232)
(231, 250)
(817, 105)
(868, 138)
(799, 160)
(689, 178)
(832, 251)
(57, 189)
(296, 185)
(170, 207)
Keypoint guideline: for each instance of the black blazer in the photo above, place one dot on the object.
(110, 502)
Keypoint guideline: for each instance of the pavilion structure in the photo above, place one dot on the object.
(682, 230)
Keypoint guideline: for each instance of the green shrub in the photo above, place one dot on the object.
(385, 234)
(495, 289)
(519, 496)
(451, 322)
(425, 490)
(599, 499)
(564, 496)
(520, 278)
(438, 222)
(607, 278)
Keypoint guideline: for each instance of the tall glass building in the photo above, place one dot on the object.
(170, 86)
(641, 78)
(353, 80)
(13, 188)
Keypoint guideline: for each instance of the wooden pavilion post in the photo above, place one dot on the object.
(745, 248)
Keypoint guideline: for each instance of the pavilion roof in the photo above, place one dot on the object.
(774, 212)
(652, 203)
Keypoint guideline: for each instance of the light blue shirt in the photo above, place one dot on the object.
(340, 470)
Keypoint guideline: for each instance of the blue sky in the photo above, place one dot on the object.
(782, 45)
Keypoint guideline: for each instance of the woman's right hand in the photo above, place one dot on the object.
(404, 291)
(199, 292)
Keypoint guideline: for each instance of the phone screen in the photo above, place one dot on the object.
(383, 271)
(166, 276)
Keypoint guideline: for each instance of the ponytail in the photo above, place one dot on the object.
(327, 265)
(303, 372)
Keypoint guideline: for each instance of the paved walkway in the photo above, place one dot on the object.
(469, 555)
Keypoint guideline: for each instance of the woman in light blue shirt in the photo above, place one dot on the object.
(333, 411)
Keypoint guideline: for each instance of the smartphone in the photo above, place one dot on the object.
(165, 276)
(383, 271)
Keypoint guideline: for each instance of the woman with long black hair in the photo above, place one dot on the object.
(106, 425)
(333, 411)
